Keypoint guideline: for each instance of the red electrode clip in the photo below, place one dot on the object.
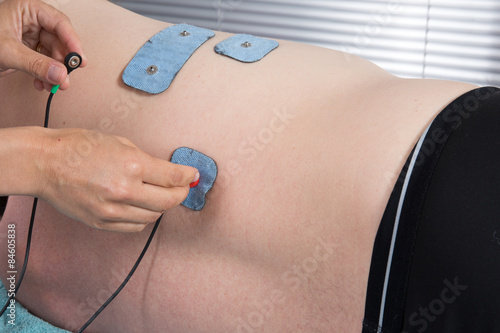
(194, 184)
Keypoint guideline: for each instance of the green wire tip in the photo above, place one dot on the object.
(54, 89)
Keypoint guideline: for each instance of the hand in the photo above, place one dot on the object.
(107, 182)
(24, 23)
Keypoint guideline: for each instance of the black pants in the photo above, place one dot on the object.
(436, 260)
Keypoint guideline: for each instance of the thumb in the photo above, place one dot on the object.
(40, 66)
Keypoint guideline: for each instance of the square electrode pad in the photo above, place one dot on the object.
(156, 64)
(246, 48)
(208, 172)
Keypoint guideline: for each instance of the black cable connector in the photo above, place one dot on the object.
(72, 61)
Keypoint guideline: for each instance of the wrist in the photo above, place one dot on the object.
(26, 156)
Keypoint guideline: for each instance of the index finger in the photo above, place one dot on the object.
(59, 24)
(167, 174)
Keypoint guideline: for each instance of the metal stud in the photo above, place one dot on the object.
(246, 44)
(74, 62)
(184, 34)
(152, 70)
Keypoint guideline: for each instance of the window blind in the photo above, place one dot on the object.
(444, 39)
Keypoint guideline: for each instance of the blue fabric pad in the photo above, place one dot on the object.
(246, 48)
(156, 64)
(24, 321)
(208, 172)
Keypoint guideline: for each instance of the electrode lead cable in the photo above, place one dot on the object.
(73, 61)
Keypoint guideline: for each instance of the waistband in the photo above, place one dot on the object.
(395, 240)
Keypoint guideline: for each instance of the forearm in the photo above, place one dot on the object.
(21, 160)
(102, 180)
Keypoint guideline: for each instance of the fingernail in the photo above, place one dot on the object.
(196, 180)
(55, 73)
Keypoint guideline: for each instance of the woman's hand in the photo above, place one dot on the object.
(102, 180)
(107, 182)
(25, 23)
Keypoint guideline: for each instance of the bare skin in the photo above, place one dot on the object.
(308, 142)
(118, 187)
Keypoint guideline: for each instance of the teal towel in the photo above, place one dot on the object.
(25, 322)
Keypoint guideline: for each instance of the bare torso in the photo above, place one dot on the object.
(308, 143)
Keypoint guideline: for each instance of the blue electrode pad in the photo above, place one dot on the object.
(156, 64)
(208, 172)
(246, 48)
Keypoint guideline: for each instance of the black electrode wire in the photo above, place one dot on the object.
(30, 231)
(26, 255)
(28, 245)
(47, 111)
(32, 221)
(126, 279)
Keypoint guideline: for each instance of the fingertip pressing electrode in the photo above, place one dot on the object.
(208, 172)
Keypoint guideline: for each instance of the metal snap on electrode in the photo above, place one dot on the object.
(152, 70)
(155, 66)
(246, 48)
(74, 62)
